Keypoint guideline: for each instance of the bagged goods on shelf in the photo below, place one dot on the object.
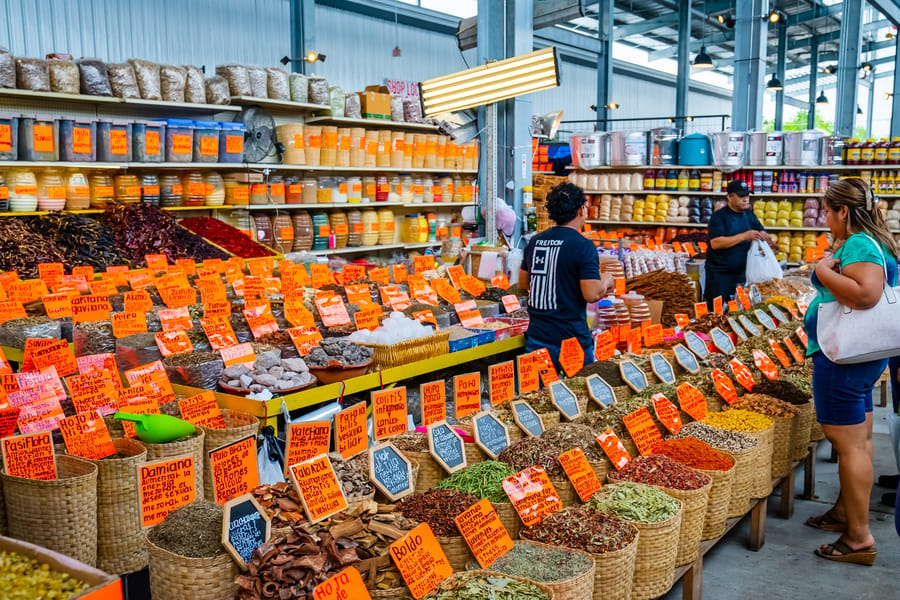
(194, 90)
(94, 77)
(122, 80)
(32, 74)
(172, 80)
(277, 84)
(7, 69)
(64, 76)
(299, 85)
(318, 90)
(147, 75)
(217, 91)
(237, 77)
(336, 99)
(412, 111)
(397, 108)
(259, 82)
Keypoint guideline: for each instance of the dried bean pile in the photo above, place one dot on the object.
(481, 480)
(694, 453)
(674, 289)
(656, 469)
(529, 452)
(766, 405)
(733, 441)
(83, 240)
(582, 528)
(438, 508)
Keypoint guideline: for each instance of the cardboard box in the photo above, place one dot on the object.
(376, 102)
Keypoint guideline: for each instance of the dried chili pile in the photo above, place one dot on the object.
(783, 390)
(708, 322)
(565, 436)
(766, 405)
(582, 528)
(530, 452)
(21, 249)
(438, 508)
(660, 470)
(482, 480)
(226, 236)
(83, 240)
(636, 502)
(694, 453)
(734, 441)
(738, 420)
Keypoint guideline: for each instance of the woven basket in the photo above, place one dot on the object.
(601, 468)
(761, 485)
(238, 425)
(515, 434)
(622, 393)
(457, 551)
(551, 595)
(549, 419)
(715, 402)
(509, 517)
(815, 428)
(654, 563)
(381, 498)
(719, 499)
(614, 571)
(782, 445)
(4, 525)
(402, 353)
(630, 446)
(121, 545)
(60, 515)
(193, 446)
(804, 429)
(566, 491)
(174, 577)
(400, 593)
(430, 472)
(739, 503)
(474, 454)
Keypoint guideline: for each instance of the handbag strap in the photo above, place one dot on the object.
(880, 252)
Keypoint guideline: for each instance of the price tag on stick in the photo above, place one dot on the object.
(667, 413)
(346, 585)
(350, 435)
(30, 456)
(580, 473)
(391, 471)
(491, 434)
(389, 412)
(502, 379)
(484, 533)
(433, 400)
(692, 401)
(234, 469)
(526, 418)
(306, 441)
(614, 449)
(532, 495)
(643, 430)
(164, 486)
(446, 446)
(421, 561)
(320, 490)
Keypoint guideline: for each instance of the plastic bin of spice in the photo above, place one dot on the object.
(37, 138)
(78, 140)
(114, 141)
(9, 137)
(231, 142)
(206, 141)
(147, 141)
(179, 140)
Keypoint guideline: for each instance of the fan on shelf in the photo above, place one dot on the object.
(259, 140)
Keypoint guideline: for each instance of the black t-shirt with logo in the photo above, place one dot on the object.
(725, 223)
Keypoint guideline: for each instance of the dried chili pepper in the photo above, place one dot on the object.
(660, 470)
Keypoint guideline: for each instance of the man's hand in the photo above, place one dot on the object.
(752, 235)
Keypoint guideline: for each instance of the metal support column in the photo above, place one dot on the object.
(813, 81)
(870, 108)
(848, 67)
(779, 73)
(751, 31)
(303, 34)
(604, 62)
(895, 99)
(517, 151)
(683, 82)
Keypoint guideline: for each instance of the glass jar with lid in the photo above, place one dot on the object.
(276, 189)
(237, 189)
(354, 190)
(382, 188)
(150, 189)
(321, 231)
(170, 190)
(447, 187)
(51, 190)
(410, 231)
(418, 191)
(4, 193)
(441, 230)
(354, 222)
(369, 189)
(22, 190)
(310, 187)
(259, 192)
(395, 189)
(128, 189)
(339, 195)
(325, 191)
(340, 228)
(386, 226)
(407, 195)
(78, 191)
(102, 190)
(303, 231)
(214, 188)
(193, 190)
(371, 229)
(293, 190)
(283, 233)
(457, 189)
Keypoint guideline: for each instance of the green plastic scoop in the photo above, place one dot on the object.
(157, 429)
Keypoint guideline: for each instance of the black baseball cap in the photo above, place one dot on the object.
(738, 187)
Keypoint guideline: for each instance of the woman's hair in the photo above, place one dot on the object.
(863, 210)
(564, 201)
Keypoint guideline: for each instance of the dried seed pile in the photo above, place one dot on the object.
(194, 530)
(582, 528)
(722, 439)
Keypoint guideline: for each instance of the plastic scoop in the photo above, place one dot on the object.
(157, 429)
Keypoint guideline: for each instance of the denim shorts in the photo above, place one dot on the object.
(843, 393)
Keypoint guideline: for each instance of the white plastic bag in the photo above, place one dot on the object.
(270, 458)
(761, 263)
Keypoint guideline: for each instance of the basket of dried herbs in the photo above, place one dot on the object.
(414, 446)
(611, 542)
(542, 405)
(760, 427)
(196, 369)
(785, 417)
(565, 436)
(483, 585)
(485, 480)
(439, 508)
(790, 393)
(529, 452)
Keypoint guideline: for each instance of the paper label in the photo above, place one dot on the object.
(346, 585)
(90, 309)
(700, 309)
(472, 285)
(319, 488)
(667, 413)
(546, 368)
(86, 435)
(532, 495)
(743, 298)
(30, 456)
(42, 136)
(792, 348)
(57, 354)
(164, 486)
(260, 320)
(724, 386)
(604, 345)
(571, 356)
(422, 264)
(446, 291)
(433, 400)
(580, 473)
(350, 435)
(801, 333)
(765, 364)
(305, 338)
(528, 373)
(467, 394)
(234, 469)
(219, 332)
(306, 441)
(332, 311)
(643, 430)
(692, 401)
(173, 342)
(484, 532)
(502, 380)
(421, 561)
(742, 374)
(128, 323)
(202, 409)
(93, 391)
(389, 412)
(614, 449)
(238, 354)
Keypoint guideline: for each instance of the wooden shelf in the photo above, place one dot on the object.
(279, 105)
(162, 106)
(371, 123)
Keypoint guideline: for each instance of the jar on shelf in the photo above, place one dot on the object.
(22, 191)
(102, 190)
(397, 149)
(51, 190)
(170, 190)
(354, 190)
(340, 228)
(395, 189)
(265, 235)
(357, 147)
(441, 230)
(343, 147)
(4, 193)
(114, 141)
(312, 138)
(371, 230)
(386, 226)
(328, 156)
(437, 191)
(310, 187)
(237, 189)
(382, 188)
(303, 232)
(259, 192)
(193, 190)
(128, 189)
(78, 191)
(421, 229)
(10, 149)
(321, 231)
(355, 224)
(150, 189)
(410, 231)
(293, 190)
(406, 189)
(447, 188)
(206, 142)
(276, 190)
(339, 195)
(432, 227)
(290, 135)
(369, 189)
(383, 158)
(283, 233)
(418, 191)
(214, 188)
(325, 190)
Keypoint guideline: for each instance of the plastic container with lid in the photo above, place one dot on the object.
(328, 156)
(231, 142)
(4, 193)
(179, 140)
(418, 191)
(867, 152)
(283, 233)
(406, 188)
(78, 140)
(259, 193)
(369, 189)
(150, 189)
(293, 190)
(321, 231)
(277, 190)
(340, 228)
(325, 190)
(409, 233)
(214, 188)
(9, 137)
(894, 151)
(237, 189)
(382, 188)
(303, 233)
(881, 151)
(206, 142)
(354, 190)
(371, 229)
(37, 138)
(128, 189)
(340, 193)
(193, 189)
(310, 190)
(170, 190)
(265, 235)
(441, 229)
(421, 229)
(51, 190)
(114, 141)
(78, 191)
(431, 219)
(102, 190)
(148, 141)
(386, 226)
(853, 150)
(354, 222)
(22, 190)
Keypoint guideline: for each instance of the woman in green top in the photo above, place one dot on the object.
(855, 277)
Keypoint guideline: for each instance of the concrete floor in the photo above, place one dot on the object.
(786, 568)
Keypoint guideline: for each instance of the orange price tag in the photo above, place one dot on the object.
(446, 291)
(296, 313)
(571, 356)
(634, 341)
(393, 297)
(690, 249)
(743, 298)
(467, 394)
(667, 413)
(305, 338)
(532, 495)
(58, 306)
(604, 345)
(219, 332)
(319, 488)
(511, 303)
(42, 136)
(92, 391)
(138, 301)
(425, 316)
(425, 294)
(742, 374)
(216, 308)
(171, 319)
(801, 333)
(86, 435)
(157, 262)
(692, 401)
(501, 281)
(528, 373)
(57, 354)
(345, 585)
(779, 353)
(717, 305)
(261, 320)
(423, 263)
(103, 287)
(765, 364)
(380, 275)
(546, 368)
(733, 306)
(724, 386)
(389, 412)
(471, 319)
(202, 409)
(332, 311)
(353, 273)
(164, 486)
(173, 342)
(238, 354)
(643, 430)
(653, 335)
(350, 436)
(398, 273)
(433, 401)
(128, 323)
(700, 309)
(682, 319)
(580, 473)
(306, 441)
(792, 348)
(484, 532)
(51, 273)
(321, 275)
(234, 469)
(421, 561)
(502, 378)
(90, 308)
(30, 456)
(472, 285)
(368, 318)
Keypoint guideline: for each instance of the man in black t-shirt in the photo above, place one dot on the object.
(562, 273)
(731, 230)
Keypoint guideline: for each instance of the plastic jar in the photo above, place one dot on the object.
(293, 190)
(102, 190)
(78, 191)
(263, 229)
(369, 189)
(881, 151)
(78, 140)
(354, 222)
(386, 226)
(4, 194)
(340, 228)
(339, 195)
(418, 191)
(894, 151)
(382, 188)
(283, 232)
(321, 231)
(37, 138)
(150, 189)
(51, 190)
(441, 230)
(214, 188)
(395, 189)
(170, 190)
(312, 138)
(290, 135)
(303, 233)
(421, 229)
(867, 152)
(259, 193)
(328, 157)
(179, 140)
(343, 147)
(231, 142)
(325, 190)
(22, 191)
(128, 189)
(205, 146)
(114, 141)
(354, 190)
(854, 151)
(409, 233)
(371, 230)
(405, 189)
(193, 190)
(148, 141)
(277, 189)
(310, 190)
(431, 219)
(237, 189)
(9, 137)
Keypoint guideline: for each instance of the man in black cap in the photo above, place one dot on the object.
(731, 230)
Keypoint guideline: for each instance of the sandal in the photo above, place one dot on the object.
(863, 556)
(827, 522)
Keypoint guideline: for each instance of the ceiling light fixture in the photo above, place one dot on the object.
(774, 84)
(777, 16)
(888, 95)
(313, 56)
(703, 60)
(612, 105)
(822, 99)
(830, 69)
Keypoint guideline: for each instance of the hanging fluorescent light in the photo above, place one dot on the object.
(492, 82)
(774, 84)
(822, 99)
(703, 61)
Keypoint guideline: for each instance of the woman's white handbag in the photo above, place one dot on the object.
(848, 336)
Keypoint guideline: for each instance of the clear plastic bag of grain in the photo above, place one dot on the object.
(318, 90)
(136, 350)
(7, 69)
(196, 369)
(93, 338)
(94, 77)
(32, 74)
(259, 82)
(336, 99)
(171, 83)
(412, 110)
(147, 75)
(397, 109)
(277, 84)
(122, 80)
(352, 106)
(217, 90)
(194, 88)
(237, 77)
(64, 76)
(14, 332)
(299, 87)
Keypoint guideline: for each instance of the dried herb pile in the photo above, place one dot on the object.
(476, 586)
(738, 420)
(636, 502)
(193, 530)
(783, 390)
(226, 236)
(540, 401)
(694, 453)
(411, 441)
(660, 470)
(438, 508)
(734, 441)
(481, 480)
(607, 370)
(530, 452)
(675, 290)
(582, 528)
(539, 563)
(81, 239)
(565, 436)
(766, 405)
